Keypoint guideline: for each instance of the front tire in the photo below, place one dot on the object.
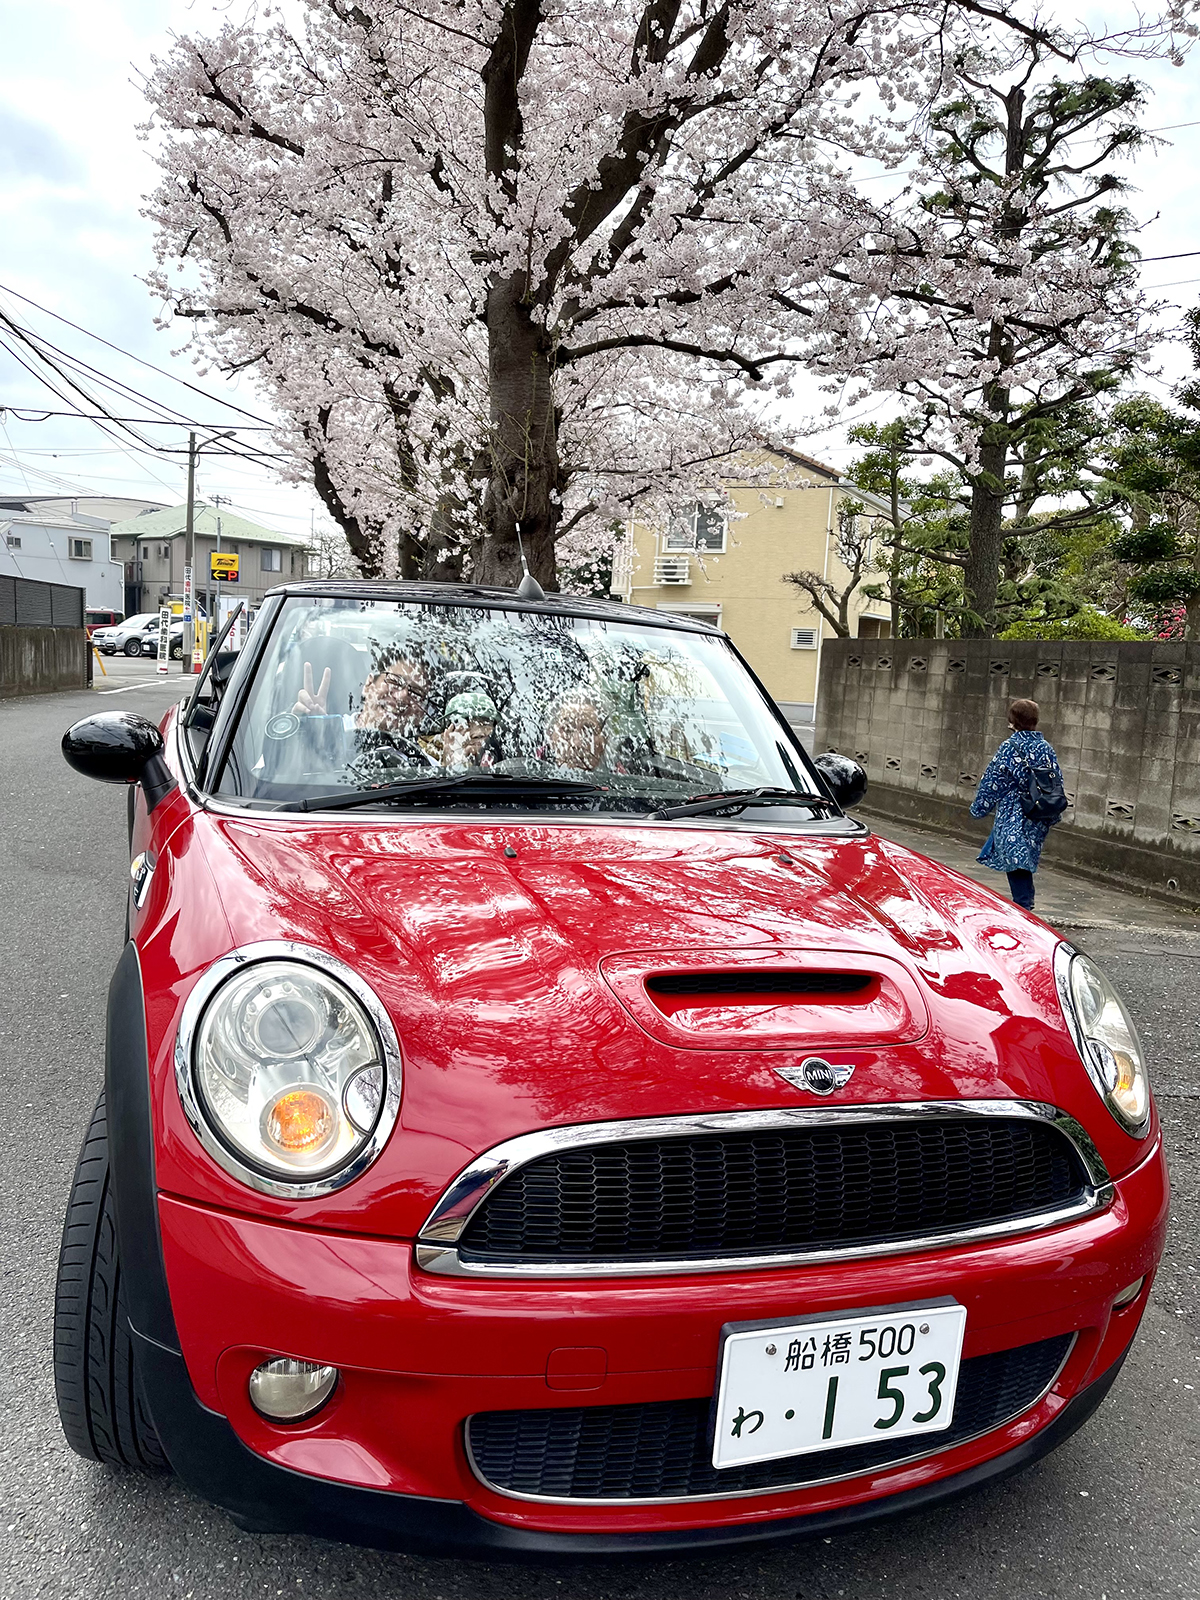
(133, 647)
(95, 1381)
(177, 651)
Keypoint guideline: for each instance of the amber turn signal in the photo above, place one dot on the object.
(300, 1121)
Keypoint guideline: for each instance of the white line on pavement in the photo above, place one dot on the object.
(149, 684)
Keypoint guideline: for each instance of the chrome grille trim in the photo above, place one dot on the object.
(773, 1489)
(436, 1244)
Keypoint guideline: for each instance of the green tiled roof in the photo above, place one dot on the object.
(166, 524)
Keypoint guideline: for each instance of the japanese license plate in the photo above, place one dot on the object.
(789, 1388)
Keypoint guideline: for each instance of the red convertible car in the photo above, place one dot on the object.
(538, 1119)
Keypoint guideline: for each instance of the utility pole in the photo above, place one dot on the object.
(214, 604)
(189, 562)
(189, 553)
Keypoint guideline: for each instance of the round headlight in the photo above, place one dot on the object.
(1105, 1037)
(289, 1071)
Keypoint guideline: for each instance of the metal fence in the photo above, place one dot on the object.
(28, 603)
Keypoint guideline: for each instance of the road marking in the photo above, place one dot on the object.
(153, 684)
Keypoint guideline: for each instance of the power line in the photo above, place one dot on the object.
(149, 365)
(39, 346)
(146, 422)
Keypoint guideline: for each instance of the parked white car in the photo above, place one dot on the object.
(128, 636)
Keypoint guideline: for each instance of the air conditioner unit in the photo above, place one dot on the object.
(804, 638)
(672, 569)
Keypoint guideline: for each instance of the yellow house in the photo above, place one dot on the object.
(728, 570)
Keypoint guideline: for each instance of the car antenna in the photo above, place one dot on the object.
(528, 588)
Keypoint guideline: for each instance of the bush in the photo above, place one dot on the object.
(1165, 586)
(1087, 623)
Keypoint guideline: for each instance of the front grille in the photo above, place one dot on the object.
(781, 1191)
(663, 1449)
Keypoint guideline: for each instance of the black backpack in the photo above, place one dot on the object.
(1043, 798)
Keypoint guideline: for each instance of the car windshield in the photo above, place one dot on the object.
(625, 717)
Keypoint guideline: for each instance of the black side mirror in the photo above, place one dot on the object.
(846, 780)
(120, 747)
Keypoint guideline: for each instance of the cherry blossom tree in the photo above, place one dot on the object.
(509, 267)
(1007, 298)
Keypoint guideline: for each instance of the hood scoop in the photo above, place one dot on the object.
(757, 984)
(773, 999)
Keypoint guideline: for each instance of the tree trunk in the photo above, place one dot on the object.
(366, 545)
(896, 564)
(1191, 622)
(523, 469)
(981, 574)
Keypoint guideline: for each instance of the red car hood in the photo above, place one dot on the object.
(513, 960)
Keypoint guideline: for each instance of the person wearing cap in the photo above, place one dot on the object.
(469, 737)
(1014, 845)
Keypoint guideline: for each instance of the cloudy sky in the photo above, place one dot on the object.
(72, 174)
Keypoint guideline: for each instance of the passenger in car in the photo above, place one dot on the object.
(576, 735)
(469, 738)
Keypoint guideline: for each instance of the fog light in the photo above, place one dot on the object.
(287, 1390)
(1129, 1295)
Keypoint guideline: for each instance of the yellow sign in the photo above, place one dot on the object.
(223, 567)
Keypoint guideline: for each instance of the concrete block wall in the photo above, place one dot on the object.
(924, 716)
(38, 660)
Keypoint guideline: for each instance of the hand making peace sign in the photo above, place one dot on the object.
(311, 702)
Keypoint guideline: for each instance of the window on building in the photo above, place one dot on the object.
(804, 638)
(272, 560)
(697, 527)
(145, 552)
(79, 549)
(13, 541)
(165, 552)
(699, 612)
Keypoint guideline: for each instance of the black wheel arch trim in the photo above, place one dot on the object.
(265, 1498)
(131, 1156)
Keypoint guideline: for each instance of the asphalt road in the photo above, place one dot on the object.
(1111, 1514)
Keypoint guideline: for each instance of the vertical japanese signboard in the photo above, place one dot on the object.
(164, 637)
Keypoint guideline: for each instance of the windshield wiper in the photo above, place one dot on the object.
(701, 803)
(499, 782)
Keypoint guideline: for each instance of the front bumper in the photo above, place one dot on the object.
(420, 1354)
(265, 1498)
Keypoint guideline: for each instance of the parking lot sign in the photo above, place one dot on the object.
(223, 566)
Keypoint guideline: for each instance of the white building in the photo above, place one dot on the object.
(57, 548)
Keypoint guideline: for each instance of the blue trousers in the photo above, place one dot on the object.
(1020, 886)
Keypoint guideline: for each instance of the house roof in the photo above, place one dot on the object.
(806, 461)
(108, 507)
(172, 521)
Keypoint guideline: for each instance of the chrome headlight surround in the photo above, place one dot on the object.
(1091, 1035)
(284, 1187)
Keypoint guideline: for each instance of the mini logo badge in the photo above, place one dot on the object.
(817, 1076)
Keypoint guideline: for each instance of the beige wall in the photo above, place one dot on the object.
(757, 609)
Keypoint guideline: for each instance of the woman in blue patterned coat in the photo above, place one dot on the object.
(1015, 843)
